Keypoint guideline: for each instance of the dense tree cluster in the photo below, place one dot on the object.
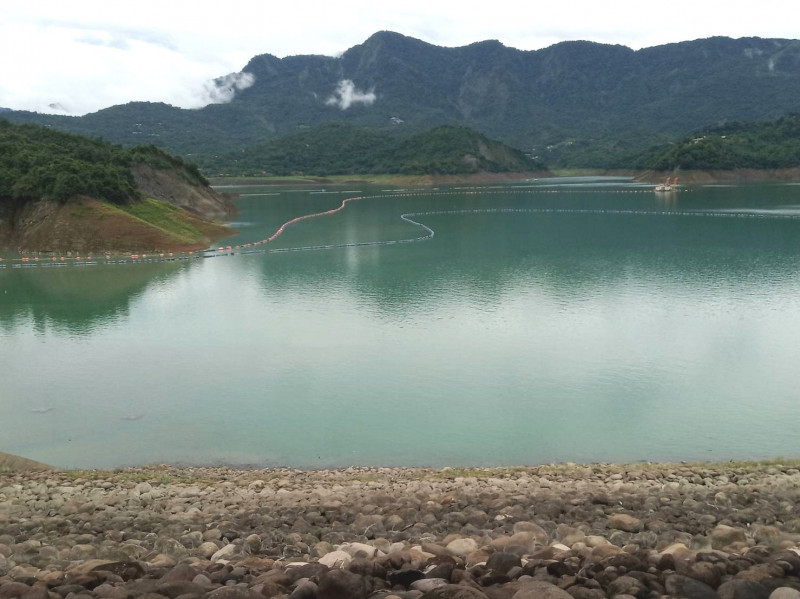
(342, 148)
(40, 163)
(761, 145)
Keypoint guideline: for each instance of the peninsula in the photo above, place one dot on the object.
(61, 192)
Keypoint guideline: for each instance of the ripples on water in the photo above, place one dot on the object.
(509, 338)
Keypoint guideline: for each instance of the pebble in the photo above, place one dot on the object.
(549, 532)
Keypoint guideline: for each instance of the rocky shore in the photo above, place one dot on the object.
(552, 532)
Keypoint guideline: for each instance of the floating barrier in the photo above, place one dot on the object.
(257, 247)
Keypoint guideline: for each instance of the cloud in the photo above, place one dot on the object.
(346, 95)
(223, 89)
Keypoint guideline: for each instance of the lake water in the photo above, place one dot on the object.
(553, 322)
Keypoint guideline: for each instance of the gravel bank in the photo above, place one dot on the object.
(552, 532)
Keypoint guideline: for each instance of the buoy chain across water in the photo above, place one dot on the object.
(247, 248)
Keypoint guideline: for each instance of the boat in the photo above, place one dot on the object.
(667, 186)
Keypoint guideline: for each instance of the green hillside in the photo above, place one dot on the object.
(40, 163)
(341, 148)
(759, 145)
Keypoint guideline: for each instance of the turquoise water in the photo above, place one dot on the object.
(589, 324)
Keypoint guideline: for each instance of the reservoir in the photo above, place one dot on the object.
(542, 321)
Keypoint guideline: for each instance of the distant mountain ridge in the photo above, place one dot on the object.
(572, 92)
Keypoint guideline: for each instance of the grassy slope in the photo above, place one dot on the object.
(88, 225)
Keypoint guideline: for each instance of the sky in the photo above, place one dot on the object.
(80, 56)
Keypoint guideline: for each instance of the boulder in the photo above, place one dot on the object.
(625, 523)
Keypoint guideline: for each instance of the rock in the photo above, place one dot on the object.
(426, 585)
(627, 585)
(304, 590)
(13, 590)
(579, 592)
(207, 549)
(177, 588)
(688, 588)
(305, 571)
(531, 527)
(355, 548)
(761, 572)
(785, 593)
(125, 570)
(87, 566)
(253, 543)
(405, 577)
(232, 592)
(336, 559)
(225, 553)
(435, 549)
(212, 534)
(742, 589)
(180, 573)
(143, 488)
(462, 547)
(454, 591)
(162, 561)
(723, 535)
(541, 590)
(341, 584)
(502, 562)
(624, 522)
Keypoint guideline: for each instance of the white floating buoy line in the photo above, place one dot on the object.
(258, 246)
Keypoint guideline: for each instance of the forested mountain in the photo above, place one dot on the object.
(563, 103)
(763, 145)
(341, 148)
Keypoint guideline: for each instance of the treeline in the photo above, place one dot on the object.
(40, 163)
(758, 145)
(341, 149)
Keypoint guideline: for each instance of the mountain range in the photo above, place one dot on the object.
(562, 100)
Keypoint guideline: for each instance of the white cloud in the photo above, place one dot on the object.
(89, 54)
(222, 90)
(346, 95)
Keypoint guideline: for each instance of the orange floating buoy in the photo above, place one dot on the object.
(134, 256)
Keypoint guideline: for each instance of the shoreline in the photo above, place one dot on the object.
(557, 531)
(737, 176)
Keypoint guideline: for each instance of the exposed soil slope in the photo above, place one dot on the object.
(14, 463)
(88, 225)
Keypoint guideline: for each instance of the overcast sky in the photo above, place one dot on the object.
(83, 55)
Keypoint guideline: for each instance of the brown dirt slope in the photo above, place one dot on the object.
(87, 225)
(13, 463)
(167, 186)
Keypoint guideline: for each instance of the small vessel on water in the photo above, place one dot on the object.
(667, 186)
